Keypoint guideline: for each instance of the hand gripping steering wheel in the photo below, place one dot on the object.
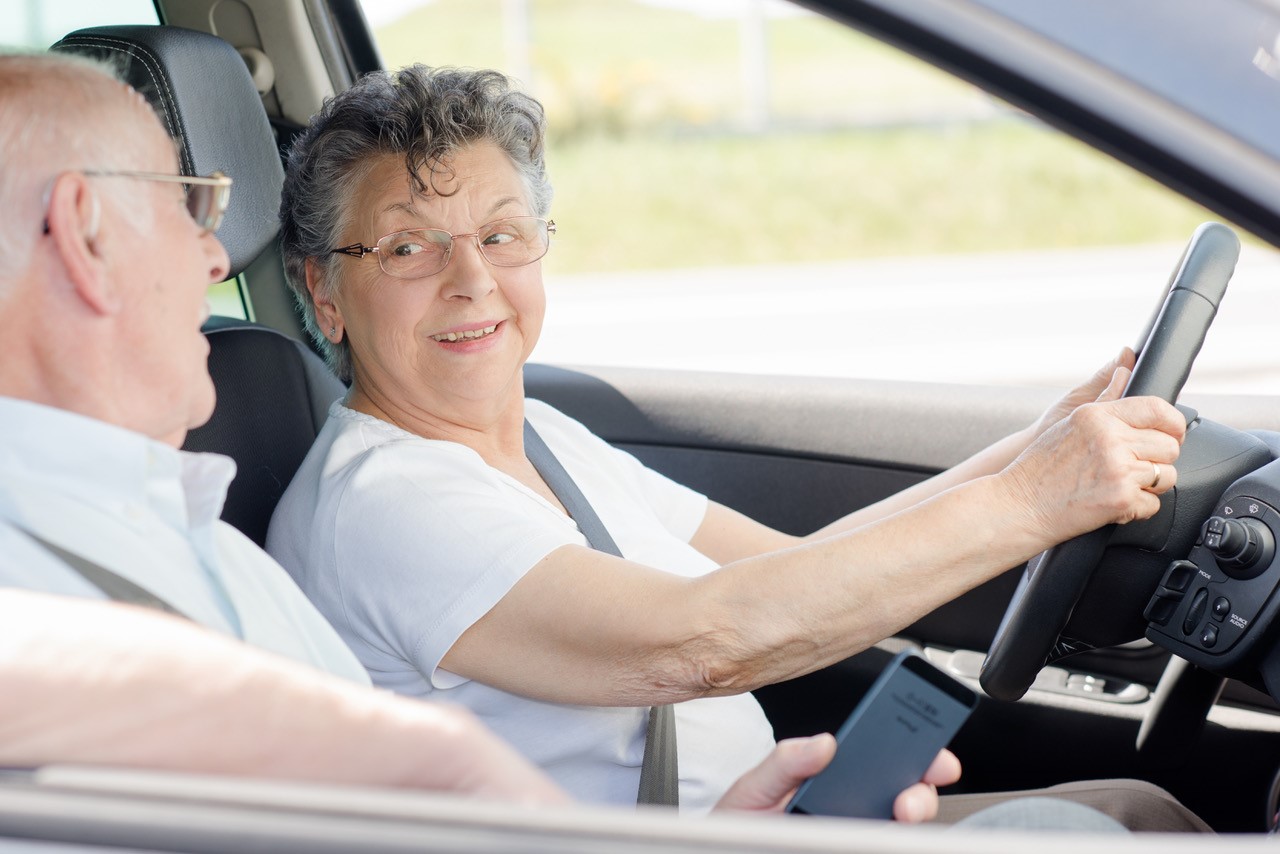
(1030, 635)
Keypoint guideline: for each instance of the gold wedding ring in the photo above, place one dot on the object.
(1155, 478)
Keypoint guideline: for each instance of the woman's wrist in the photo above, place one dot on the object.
(1037, 428)
(1014, 499)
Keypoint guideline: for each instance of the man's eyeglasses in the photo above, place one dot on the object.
(421, 252)
(207, 197)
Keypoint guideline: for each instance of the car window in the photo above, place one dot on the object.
(35, 25)
(746, 186)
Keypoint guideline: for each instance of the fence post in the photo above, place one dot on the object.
(518, 32)
(753, 38)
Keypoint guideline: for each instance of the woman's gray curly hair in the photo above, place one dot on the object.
(422, 113)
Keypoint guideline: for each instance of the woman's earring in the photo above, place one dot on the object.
(333, 330)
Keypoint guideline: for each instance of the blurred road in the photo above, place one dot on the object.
(1042, 318)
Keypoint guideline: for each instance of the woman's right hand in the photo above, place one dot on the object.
(1107, 462)
(1097, 387)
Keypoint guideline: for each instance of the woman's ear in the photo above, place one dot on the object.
(328, 315)
(74, 220)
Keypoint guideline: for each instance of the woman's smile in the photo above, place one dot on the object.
(469, 333)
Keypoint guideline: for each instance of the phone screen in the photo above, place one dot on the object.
(909, 714)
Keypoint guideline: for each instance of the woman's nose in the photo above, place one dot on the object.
(468, 275)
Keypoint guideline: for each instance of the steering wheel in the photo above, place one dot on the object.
(1030, 635)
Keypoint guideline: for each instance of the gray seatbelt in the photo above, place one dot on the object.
(659, 775)
(115, 587)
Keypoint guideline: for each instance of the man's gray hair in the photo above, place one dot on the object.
(52, 108)
(425, 115)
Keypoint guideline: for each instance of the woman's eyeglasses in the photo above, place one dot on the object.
(207, 197)
(421, 252)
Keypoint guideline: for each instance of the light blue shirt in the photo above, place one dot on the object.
(148, 513)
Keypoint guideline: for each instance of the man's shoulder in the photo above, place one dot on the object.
(24, 563)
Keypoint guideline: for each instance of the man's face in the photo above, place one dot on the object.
(162, 270)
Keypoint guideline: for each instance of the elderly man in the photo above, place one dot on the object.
(102, 372)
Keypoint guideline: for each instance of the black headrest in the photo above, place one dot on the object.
(202, 90)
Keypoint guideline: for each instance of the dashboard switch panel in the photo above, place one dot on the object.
(1205, 605)
(1167, 596)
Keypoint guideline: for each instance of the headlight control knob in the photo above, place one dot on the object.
(1243, 547)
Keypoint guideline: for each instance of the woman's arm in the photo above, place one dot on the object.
(583, 627)
(1107, 383)
(727, 535)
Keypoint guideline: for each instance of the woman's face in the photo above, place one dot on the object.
(399, 329)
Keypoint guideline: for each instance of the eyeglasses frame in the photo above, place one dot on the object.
(215, 179)
(359, 250)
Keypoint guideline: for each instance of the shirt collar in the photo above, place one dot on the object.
(70, 452)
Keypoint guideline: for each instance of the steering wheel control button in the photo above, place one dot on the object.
(1243, 546)
(1211, 532)
(1160, 610)
(1209, 637)
(1199, 603)
(1221, 607)
(1178, 576)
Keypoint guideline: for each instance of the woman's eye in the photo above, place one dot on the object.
(407, 248)
(498, 238)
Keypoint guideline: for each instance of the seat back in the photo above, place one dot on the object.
(273, 392)
(273, 398)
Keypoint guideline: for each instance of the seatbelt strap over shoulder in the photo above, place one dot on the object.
(116, 587)
(659, 775)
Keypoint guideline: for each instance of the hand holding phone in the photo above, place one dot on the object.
(909, 714)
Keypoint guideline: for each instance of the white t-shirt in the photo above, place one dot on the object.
(404, 543)
(148, 513)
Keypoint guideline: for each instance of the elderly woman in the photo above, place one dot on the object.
(414, 218)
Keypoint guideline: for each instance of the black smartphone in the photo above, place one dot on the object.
(909, 714)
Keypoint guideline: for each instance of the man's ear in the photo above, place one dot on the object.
(328, 315)
(74, 217)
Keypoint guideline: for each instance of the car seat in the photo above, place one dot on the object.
(273, 392)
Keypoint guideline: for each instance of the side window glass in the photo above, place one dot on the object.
(746, 186)
(36, 24)
(227, 299)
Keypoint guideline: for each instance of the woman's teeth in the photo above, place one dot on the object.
(465, 336)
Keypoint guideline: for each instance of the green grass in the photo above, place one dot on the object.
(650, 172)
(678, 202)
(620, 63)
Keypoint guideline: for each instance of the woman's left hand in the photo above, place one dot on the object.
(1086, 392)
(769, 786)
(919, 803)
